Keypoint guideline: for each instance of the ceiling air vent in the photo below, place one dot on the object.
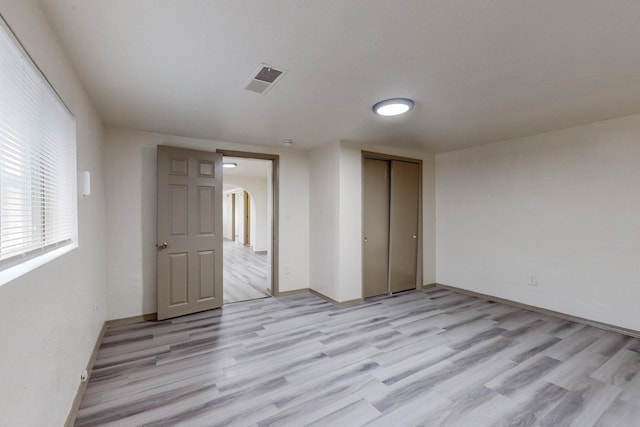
(263, 78)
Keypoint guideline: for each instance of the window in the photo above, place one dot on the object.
(37, 162)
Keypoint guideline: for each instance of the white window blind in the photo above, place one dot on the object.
(37, 160)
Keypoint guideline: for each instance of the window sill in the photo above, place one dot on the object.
(21, 269)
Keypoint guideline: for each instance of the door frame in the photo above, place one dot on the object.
(246, 221)
(390, 157)
(275, 183)
(233, 215)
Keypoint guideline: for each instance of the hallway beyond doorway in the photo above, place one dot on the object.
(245, 273)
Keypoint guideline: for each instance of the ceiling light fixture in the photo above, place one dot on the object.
(393, 106)
(229, 165)
(287, 142)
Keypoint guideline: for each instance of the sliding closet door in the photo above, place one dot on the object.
(403, 221)
(375, 227)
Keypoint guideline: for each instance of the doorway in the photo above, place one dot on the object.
(249, 226)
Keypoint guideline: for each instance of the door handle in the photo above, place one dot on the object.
(161, 246)
(365, 239)
(414, 236)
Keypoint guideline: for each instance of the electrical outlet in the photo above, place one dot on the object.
(533, 281)
(84, 375)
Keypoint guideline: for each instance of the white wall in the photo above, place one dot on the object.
(239, 232)
(563, 206)
(227, 215)
(324, 220)
(257, 189)
(48, 322)
(131, 217)
(350, 214)
(336, 218)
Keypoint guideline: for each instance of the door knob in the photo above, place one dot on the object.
(365, 239)
(161, 246)
(414, 236)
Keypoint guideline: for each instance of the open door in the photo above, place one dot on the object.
(189, 231)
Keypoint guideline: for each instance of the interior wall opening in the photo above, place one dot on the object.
(247, 229)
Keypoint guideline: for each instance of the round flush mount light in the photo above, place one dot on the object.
(229, 165)
(393, 106)
(287, 142)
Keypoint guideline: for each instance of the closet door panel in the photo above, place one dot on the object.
(403, 222)
(375, 227)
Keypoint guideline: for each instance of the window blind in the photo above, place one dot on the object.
(37, 159)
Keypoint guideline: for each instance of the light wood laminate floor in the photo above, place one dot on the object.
(431, 358)
(245, 273)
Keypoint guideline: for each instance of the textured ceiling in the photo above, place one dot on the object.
(479, 71)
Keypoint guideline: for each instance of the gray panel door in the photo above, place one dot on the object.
(403, 240)
(189, 231)
(375, 227)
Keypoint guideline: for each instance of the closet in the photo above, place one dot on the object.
(390, 224)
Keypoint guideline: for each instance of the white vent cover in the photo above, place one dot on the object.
(263, 78)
